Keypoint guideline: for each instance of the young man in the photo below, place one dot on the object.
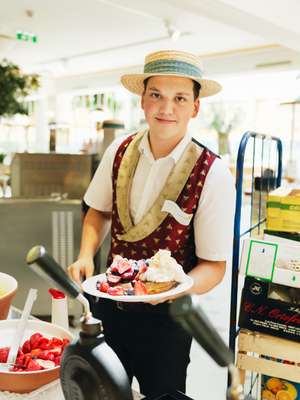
(159, 189)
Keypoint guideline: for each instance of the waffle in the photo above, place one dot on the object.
(158, 287)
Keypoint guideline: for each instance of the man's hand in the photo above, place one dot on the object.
(206, 275)
(80, 269)
(95, 227)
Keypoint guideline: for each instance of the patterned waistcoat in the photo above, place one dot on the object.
(158, 229)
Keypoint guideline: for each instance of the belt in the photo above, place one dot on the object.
(162, 308)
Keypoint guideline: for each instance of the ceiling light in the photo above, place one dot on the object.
(29, 13)
(173, 32)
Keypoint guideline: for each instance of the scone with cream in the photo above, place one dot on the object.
(163, 273)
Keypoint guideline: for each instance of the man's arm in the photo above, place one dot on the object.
(95, 227)
(206, 275)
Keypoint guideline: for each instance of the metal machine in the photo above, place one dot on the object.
(52, 223)
(42, 174)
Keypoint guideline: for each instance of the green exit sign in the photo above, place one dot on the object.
(26, 36)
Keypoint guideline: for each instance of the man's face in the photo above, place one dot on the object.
(169, 104)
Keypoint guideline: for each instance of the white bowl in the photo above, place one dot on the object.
(8, 289)
(25, 382)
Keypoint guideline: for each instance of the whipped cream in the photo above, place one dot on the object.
(163, 268)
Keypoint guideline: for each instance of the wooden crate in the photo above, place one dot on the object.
(253, 345)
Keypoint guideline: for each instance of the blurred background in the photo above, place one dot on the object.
(61, 104)
(80, 49)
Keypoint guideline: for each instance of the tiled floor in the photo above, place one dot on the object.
(206, 380)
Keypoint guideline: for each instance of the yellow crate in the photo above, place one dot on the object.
(283, 210)
(253, 347)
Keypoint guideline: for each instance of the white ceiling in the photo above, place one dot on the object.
(91, 37)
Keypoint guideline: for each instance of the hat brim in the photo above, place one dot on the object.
(135, 83)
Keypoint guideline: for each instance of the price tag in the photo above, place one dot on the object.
(261, 259)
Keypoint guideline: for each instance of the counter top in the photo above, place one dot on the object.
(28, 200)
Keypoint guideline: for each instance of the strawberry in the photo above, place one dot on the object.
(26, 360)
(123, 266)
(55, 342)
(44, 344)
(20, 357)
(47, 355)
(34, 340)
(142, 268)
(57, 360)
(113, 269)
(139, 288)
(26, 348)
(113, 279)
(116, 291)
(65, 342)
(4, 354)
(50, 356)
(128, 275)
(103, 287)
(33, 366)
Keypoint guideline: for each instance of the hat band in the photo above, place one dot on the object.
(172, 67)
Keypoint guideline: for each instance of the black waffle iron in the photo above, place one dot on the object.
(90, 370)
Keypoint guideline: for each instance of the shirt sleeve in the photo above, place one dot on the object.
(213, 222)
(99, 191)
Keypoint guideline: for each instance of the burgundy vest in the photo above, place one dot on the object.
(170, 234)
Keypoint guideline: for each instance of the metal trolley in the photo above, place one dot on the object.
(258, 171)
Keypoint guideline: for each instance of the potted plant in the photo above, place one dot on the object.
(222, 121)
(14, 87)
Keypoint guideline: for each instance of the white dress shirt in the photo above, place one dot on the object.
(213, 222)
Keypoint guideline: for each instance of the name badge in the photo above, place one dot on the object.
(172, 208)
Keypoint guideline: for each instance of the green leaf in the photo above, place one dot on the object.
(14, 87)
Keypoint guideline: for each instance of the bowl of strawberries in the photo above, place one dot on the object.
(39, 355)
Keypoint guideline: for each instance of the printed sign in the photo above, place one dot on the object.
(261, 259)
(261, 313)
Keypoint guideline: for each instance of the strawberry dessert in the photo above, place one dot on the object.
(140, 277)
(37, 353)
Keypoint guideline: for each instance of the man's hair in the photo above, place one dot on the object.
(196, 87)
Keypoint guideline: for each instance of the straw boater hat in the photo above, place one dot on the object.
(171, 63)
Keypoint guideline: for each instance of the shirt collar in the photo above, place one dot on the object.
(176, 153)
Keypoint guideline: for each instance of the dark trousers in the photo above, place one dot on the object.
(151, 346)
